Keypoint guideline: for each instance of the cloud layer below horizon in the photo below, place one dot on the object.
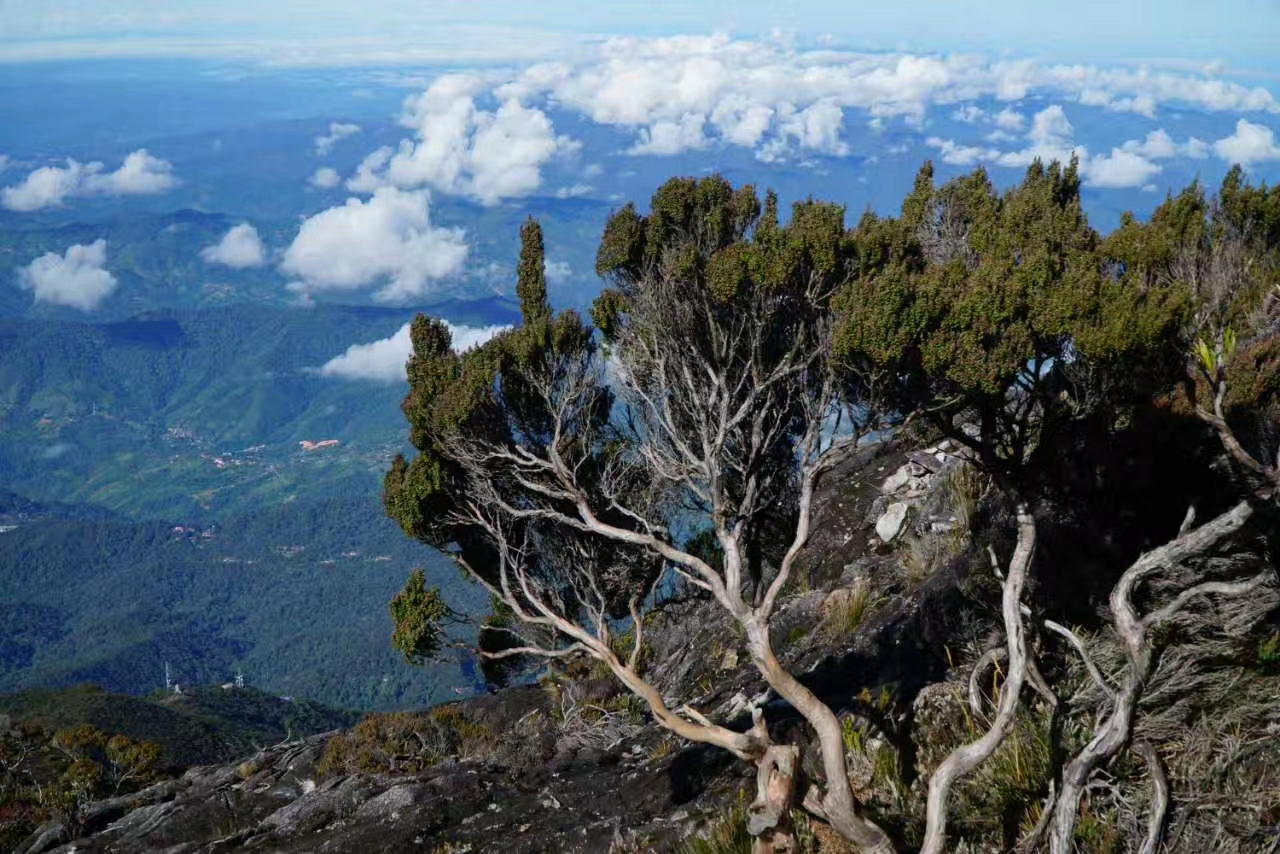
(490, 137)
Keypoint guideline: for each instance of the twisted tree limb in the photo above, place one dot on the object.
(1159, 797)
(964, 759)
(1132, 629)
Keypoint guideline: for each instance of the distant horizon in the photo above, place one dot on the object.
(1240, 36)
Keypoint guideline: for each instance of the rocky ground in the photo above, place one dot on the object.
(876, 603)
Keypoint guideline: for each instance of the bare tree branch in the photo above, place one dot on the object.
(964, 759)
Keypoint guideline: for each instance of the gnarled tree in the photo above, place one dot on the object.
(999, 321)
(564, 472)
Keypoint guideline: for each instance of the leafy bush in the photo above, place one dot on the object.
(1269, 653)
(402, 742)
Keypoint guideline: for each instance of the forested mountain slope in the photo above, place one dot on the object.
(294, 596)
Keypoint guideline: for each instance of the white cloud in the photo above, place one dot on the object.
(1119, 169)
(970, 114)
(961, 155)
(1251, 143)
(1050, 137)
(4, 162)
(666, 137)
(749, 93)
(45, 187)
(1010, 119)
(387, 240)
(325, 178)
(337, 131)
(1158, 145)
(384, 360)
(1050, 127)
(462, 149)
(573, 191)
(366, 179)
(239, 248)
(75, 279)
(557, 272)
(140, 174)
(1143, 104)
(489, 137)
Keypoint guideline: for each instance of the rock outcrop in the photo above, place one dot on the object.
(542, 779)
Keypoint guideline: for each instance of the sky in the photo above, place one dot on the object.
(1243, 34)
(385, 151)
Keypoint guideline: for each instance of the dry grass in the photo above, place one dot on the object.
(923, 555)
(846, 609)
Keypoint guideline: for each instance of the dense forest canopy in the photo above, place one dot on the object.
(736, 357)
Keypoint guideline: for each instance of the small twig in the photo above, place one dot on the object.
(1159, 797)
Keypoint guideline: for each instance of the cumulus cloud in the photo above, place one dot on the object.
(956, 154)
(666, 137)
(75, 278)
(489, 137)
(337, 131)
(367, 179)
(749, 93)
(1250, 144)
(45, 187)
(465, 150)
(1010, 119)
(387, 240)
(384, 360)
(970, 114)
(557, 271)
(1050, 137)
(1119, 169)
(1158, 145)
(815, 128)
(325, 178)
(140, 174)
(239, 248)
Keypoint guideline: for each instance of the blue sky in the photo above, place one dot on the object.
(387, 150)
(1244, 34)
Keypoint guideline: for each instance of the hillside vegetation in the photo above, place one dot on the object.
(294, 596)
(202, 725)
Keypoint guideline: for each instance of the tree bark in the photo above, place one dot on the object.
(964, 759)
(842, 810)
(1112, 734)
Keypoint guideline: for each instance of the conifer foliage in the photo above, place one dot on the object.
(576, 472)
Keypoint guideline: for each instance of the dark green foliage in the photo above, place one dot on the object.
(419, 614)
(495, 393)
(204, 724)
(1223, 253)
(1269, 653)
(294, 596)
(1002, 305)
(531, 276)
(45, 776)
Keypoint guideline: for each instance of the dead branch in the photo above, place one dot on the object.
(964, 759)
(1159, 797)
(1115, 730)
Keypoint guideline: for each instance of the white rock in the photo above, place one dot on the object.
(897, 480)
(889, 525)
